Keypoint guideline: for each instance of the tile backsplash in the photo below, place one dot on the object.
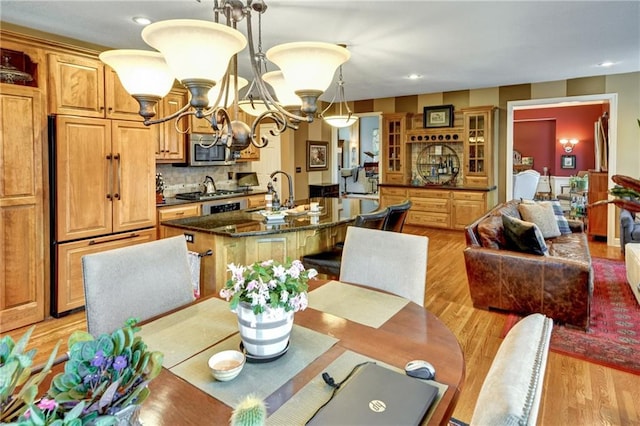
(189, 179)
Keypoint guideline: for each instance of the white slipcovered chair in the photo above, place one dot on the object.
(512, 390)
(525, 184)
(388, 261)
(141, 281)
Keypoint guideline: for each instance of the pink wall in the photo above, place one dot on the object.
(536, 138)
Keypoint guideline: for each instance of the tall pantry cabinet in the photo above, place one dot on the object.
(22, 207)
(104, 187)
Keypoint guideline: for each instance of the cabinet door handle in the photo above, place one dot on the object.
(125, 237)
(110, 175)
(117, 194)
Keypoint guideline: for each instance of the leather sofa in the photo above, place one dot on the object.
(558, 285)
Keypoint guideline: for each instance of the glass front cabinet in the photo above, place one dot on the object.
(394, 160)
(479, 146)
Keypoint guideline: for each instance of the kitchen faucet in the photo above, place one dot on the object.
(291, 202)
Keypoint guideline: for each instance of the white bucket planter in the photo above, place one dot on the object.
(265, 334)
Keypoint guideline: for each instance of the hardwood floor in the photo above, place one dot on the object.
(575, 392)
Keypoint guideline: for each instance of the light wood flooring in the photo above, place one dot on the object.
(575, 392)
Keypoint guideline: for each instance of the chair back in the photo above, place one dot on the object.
(141, 281)
(388, 261)
(396, 216)
(525, 185)
(512, 390)
(373, 220)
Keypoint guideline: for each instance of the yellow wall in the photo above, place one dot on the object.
(627, 86)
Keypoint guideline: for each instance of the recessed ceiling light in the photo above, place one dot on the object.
(606, 64)
(141, 20)
(414, 76)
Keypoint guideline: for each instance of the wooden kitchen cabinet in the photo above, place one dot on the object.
(396, 163)
(22, 207)
(177, 212)
(84, 86)
(429, 208)
(70, 288)
(438, 207)
(467, 206)
(250, 153)
(255, 201)
(597, 215)
(105, 177)
(170, 143)
(479, 146)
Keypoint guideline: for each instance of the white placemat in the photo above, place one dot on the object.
(261, 380)
(299, 409)
(361, 305)
(186, 332)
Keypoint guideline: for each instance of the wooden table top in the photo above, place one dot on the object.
(412, 333)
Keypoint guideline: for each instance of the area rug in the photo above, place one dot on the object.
(613, 338)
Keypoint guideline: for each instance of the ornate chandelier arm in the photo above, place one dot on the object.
(180, 113)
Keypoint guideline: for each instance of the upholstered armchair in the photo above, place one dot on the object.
(629, 228)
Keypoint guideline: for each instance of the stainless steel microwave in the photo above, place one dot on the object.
(202, 152)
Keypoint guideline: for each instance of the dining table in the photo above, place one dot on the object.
(343, 325)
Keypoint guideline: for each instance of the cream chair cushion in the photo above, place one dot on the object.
(140, 281)
(386, 260)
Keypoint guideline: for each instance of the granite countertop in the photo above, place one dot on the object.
(173, 201)
(451, 187)
(244, 223)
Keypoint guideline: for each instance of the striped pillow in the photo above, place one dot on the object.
(563, 224)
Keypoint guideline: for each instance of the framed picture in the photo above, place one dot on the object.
(568, 162)
(317, 155)
(437, 116)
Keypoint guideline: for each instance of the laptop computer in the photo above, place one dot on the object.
(376, 395)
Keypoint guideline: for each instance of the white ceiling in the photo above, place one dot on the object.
(454, 45)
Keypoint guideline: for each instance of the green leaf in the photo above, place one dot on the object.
(79, 336)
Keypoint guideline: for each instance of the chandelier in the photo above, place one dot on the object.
(341, 119)
(203, 55)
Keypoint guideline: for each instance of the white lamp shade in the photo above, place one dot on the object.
(286, 96)
(308, 65)
(195, 49)
(141, 72)
(215, 90)
(254, 108)
(340, 120)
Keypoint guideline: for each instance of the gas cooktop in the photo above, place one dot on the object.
(197, 196)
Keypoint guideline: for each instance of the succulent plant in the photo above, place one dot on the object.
(251, 411)
(107, 373)
(16, 375)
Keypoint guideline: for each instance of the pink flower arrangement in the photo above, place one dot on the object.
(268, 285)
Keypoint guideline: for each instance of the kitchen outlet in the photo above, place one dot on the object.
(188, 237)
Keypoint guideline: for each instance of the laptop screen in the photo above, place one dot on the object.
(376, 395)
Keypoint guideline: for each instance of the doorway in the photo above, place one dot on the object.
(612, 99)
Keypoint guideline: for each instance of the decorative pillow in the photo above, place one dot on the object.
(563, 224)
(491, 233)
(523, 236)
(542, 215)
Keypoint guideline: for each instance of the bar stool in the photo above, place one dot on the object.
(328, 262)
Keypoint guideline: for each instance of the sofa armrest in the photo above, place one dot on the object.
(512, 390)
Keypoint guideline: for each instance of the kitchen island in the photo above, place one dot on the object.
(244, 237)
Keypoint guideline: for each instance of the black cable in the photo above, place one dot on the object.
(331, 382)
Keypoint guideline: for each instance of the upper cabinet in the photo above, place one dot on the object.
(84, 86)
(170, 143)
(479, 140)
(395, 161)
